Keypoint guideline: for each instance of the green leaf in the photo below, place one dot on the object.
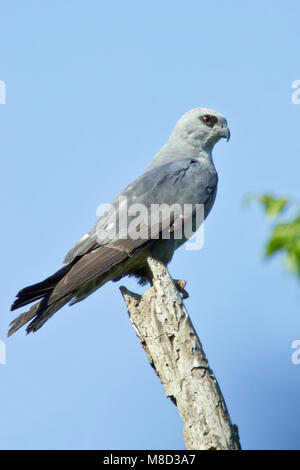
(273, 205)
(285, 238)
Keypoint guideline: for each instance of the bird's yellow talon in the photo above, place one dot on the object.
(180, 285)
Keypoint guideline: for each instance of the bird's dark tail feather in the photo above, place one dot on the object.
(39, 290)
(40, 312)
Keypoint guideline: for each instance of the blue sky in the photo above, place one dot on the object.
(93, 91)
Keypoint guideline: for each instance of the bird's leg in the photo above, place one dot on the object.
(180, 286)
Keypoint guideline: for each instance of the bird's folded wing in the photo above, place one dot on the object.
(181, 181)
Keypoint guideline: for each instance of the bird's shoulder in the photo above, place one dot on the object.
(172, 172)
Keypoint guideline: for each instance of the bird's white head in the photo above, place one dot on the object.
(202, 128)
(194, 135)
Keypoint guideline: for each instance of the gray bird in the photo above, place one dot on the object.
(181, 173)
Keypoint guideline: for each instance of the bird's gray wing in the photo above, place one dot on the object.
(183, 181)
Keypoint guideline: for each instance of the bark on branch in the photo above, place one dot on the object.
(174, 351)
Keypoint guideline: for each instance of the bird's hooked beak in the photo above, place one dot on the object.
(225, 133)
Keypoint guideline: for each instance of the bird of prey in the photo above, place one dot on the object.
(182, 172)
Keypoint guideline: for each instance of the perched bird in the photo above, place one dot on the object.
(181, 173)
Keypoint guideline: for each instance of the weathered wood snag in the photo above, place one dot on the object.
(174, 351)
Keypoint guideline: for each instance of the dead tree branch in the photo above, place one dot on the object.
(174, 351)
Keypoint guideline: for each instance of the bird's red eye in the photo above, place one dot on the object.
(207, 119)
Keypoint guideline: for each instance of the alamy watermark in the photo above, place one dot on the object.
(2, 92)
(124, 221)
(295, 358)
(2, 352)
(296, 94)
